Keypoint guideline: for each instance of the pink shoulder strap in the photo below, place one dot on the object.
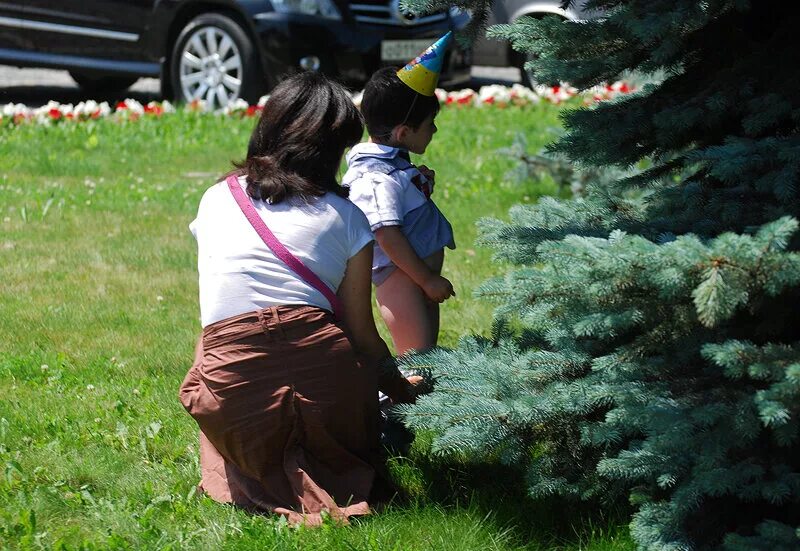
(277, 247)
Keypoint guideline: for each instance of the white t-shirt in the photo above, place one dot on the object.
(239, 273)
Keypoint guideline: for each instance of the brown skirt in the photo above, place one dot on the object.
(288, 415)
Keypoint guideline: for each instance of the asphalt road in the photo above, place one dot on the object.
(35, 87)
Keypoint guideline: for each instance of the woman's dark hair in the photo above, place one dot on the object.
(388, 102)
(297, 146)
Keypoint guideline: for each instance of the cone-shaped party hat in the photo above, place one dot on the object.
(422, 74)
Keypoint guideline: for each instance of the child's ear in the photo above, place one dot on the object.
(400, 132)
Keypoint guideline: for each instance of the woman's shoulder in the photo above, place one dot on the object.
(343, 206)
(211, 198)
(220, 187)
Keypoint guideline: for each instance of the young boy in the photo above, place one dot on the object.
(411, 233)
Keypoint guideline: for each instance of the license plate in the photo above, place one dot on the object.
(403, 50)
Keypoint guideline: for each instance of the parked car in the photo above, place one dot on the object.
(498, 53)
(220, 50)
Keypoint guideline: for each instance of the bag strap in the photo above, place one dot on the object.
(277, 247)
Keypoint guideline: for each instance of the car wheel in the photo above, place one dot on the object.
(95, 83)
(214, 60)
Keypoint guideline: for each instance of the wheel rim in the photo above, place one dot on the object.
(211, 68)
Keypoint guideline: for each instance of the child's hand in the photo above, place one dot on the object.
(438, 288)
(429, 174)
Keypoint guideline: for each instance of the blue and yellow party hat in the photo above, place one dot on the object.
(422, 74)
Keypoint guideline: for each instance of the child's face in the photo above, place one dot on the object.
(417, 140)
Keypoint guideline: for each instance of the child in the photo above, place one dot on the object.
(411, 233)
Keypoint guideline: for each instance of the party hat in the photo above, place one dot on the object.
(422, 74)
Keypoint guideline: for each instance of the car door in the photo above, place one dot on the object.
(109, 29)
(492, 51)
(13, 37)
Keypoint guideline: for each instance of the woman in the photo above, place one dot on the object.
(285, 393)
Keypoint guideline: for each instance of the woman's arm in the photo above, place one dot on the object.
(355, 292)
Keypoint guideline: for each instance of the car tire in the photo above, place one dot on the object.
(102, 84)
(215, 60)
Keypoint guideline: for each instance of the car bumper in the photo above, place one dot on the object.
(348, 51)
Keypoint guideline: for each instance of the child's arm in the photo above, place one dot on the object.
(395, 244)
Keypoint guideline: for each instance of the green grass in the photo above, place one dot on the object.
(98, 317)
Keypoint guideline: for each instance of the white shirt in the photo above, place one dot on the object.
(239, 273)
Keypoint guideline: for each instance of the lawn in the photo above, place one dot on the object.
(98, 317)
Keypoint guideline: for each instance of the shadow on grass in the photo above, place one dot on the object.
(499, 493)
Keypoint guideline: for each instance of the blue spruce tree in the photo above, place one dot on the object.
(647, 341)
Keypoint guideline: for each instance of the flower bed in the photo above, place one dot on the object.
(129, 109)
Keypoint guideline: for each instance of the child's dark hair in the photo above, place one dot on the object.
(297, 146)
(388, 102)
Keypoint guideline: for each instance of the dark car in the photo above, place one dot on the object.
(499, 53)
(219, 50)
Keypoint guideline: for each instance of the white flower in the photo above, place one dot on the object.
(90, 387)
(463, 97)
(235, 106)
(522, 95)
(263, 100)
(85, 109)
(133, 106)
(14, 109)
(495, 95)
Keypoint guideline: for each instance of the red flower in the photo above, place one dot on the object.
(121, 105)
(154, 110)
(55, 114)
(251, 110)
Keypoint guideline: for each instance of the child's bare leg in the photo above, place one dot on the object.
(412, 318)
(404, 308)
